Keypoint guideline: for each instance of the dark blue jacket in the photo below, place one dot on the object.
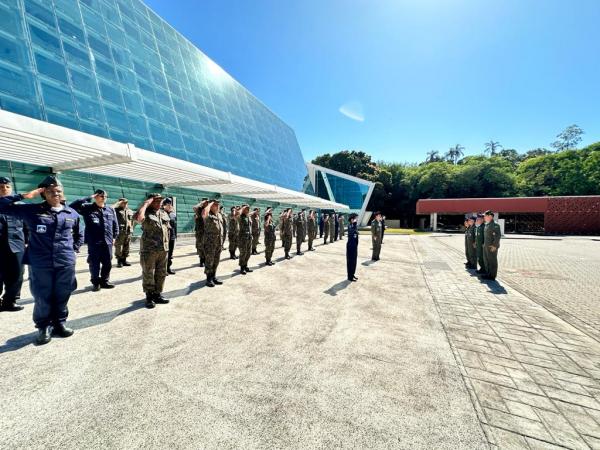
(101, 225)
(54, 237)
(352, 243)
(173, 223)
(12, 235)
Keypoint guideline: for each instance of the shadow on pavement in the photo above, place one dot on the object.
(18, 342)
(333, 290)
(494, 286)
(368, 262)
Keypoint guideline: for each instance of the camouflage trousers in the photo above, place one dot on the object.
(245, 244)
(154, 271)
(299, 241)
(255, 237)
(287, 242)
(311, 237)
(212, 253)
(122, 245)
(325, 234)
(233, 243)
(200, 246)
(269, 249)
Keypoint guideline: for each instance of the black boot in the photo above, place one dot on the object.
(10, 305)
(158, 298)
(119, 262)
(209, 280)
(248, 270)
(243, 270)
(231, 255)
(125, 263)
(170, 271)
(216, 281)
(202, 262)
(62, 331)
(150, 300)
(44, 335)
(106, 285)
(95, 287)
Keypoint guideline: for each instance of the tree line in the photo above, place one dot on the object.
(496, 172)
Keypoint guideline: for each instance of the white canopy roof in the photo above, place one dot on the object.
(32, 141)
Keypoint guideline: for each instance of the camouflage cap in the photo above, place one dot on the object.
(154, 195)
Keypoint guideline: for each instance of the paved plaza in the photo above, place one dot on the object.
(418, 354)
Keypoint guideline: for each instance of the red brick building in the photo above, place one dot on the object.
(551, 215)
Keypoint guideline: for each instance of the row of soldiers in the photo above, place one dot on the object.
(482, 241)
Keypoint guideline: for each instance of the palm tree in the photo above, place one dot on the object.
(432, 156)
(492, 147)
(454, 153)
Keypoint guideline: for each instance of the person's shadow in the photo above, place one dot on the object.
(333, 290)
(494, 287)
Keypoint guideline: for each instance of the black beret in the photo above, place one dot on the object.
(100, 192)
(50, 180)
(4, 180)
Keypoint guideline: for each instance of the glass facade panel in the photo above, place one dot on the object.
(133, 78)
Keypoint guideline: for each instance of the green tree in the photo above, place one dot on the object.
(492, 147)
(568, 139)
(433, 156)
(454, 153)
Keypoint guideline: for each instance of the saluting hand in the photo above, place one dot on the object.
(34, 193)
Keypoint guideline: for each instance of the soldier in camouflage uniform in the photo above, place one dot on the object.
(331, 223)
(311, 229)
(224, 225)
(233, 230)
(299, 233)
(479, 238)
(213, 243)
(281, 227)
(466, 225)
(325, 228)
(471, 245)
(244, 239)
(255, 225)
(269, 238)
(154, 246)
(199, 229)
(376, 236)
(125, 221)
(491, 244)
(286, 225)
(341, 227)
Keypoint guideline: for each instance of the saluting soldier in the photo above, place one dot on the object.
(304, 223)
(12, 249)
(244, 239)
(168, 207)
(233, 231)
(281, 227)
(154, 247)
(325, 228)
(491, 244)
(466, 225)
(299, 233)
(471, 244)
(287, 227)
(255, 217)
(199, 230)
(376, 236)
(125, 220)
(311, 225)
(479, 238)
(54, 239)
(101, 230)
(352, 247)
(224, 225)
(269, 238)
(336, 231)
(341, 227)
(331, 221)
(213, 232)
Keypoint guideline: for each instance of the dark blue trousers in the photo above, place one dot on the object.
(100, 262)
(351, 257)
(11, 274)
(51, 289)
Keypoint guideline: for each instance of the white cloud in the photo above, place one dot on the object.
(353, 110)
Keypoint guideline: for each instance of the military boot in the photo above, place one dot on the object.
(150, 300)
(216, 281)
(119, 262)
(10, 305)
(125, 263)
(209, 280)
(158, 298)
(44, 335)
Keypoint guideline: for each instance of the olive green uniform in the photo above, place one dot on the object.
(341, 227)
(311, 226)
(286, 224)
(213, 232)
(491, 244)
(244, 239)
(232, 234)
(331, 223)
(199, 231)
(376, 238)
(325, 229)
(154, 247)
(299, 232)
(479, 246)
(269, 240)
(125, 221)
(223, 218)
(471, 246)
(255, 231)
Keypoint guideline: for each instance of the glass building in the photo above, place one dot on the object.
(114, 69)
(339, 187)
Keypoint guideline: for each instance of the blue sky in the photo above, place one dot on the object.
(397, 78)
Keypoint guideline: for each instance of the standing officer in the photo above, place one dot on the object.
(255, 217)
(213, 232)
(54, 238)
(245, 239)
(154, 247)
(125, 219)
(491, 244)
(336, 232)
(281, 227)
(199, 229)
(382, 228)
(233, 231)
(269, 238)
(352, 247)
(341, 226)
(479, 227)
(287, 227)
(471, 244)
(12, 248)
(466, 225)
(223, 217)
(331, 221)
(101, 230)
(325, 228)
(168, 207)
(305, 228)
(321, 224)
(376, 236)
(299, 233)
(311, 226)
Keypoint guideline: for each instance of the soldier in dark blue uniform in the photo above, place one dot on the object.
(352, 247)
(101, 230)
(54, 238)
(12, 248)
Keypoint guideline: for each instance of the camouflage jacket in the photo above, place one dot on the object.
(244, 226)
(213, 227)
(270, 232)
(125, 220)
(376, 229)
(155, 231)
